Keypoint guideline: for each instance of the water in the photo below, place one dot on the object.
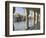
(22, 25)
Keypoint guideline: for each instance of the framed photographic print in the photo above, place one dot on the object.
(24, 18)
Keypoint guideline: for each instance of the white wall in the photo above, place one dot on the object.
(2, 19)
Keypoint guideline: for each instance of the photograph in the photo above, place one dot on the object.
(24, 18)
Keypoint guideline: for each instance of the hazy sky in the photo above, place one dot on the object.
(21, 11)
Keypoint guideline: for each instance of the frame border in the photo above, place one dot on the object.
(7, 18)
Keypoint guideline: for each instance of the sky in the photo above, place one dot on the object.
(21, 11)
